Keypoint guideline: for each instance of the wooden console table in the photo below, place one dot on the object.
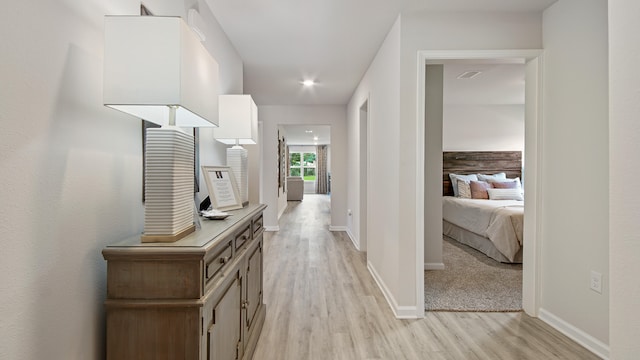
(197, 298)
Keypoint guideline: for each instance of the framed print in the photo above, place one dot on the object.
(223, 190)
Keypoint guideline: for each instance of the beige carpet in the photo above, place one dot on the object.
(472, 281)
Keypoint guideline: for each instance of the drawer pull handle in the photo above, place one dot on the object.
(224, 260)
(245, 304)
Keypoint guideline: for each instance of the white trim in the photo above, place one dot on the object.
(356, 243)
(532, 271)
(589, 342)
(272, 228)
(337, 228)
(532, 254)
(400, 312)
(433, 266)
(526, 54)
(420, 145)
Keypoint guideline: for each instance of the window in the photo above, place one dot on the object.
(303, 164)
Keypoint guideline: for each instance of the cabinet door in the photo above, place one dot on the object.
(225, 332)
(254, 284)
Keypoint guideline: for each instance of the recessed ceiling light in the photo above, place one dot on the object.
(308, 131)
(315, 138)
(308, 83)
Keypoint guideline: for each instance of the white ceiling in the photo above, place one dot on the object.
(331, 41)
(497, 84)
(305, 134)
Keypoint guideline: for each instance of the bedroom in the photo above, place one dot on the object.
(483, 133)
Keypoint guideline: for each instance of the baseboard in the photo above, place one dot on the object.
(272, 228)
(434, 266)
(589, 342)
(356, 244)
(400, 312)
(337, 228)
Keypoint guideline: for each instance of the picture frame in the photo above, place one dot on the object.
(222, 187)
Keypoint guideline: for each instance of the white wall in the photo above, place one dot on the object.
(272, 117)
(71, 174)
(624, 140)
(433, 31)
(231, 82)
(381, 84)
(483, 128)
(574, 175)
(392, 237)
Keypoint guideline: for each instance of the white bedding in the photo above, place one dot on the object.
(501, 221)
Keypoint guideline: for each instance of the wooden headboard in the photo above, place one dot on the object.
(475, 162)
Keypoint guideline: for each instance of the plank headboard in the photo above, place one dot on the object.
(474, 162)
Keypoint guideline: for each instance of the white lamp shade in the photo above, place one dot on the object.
(238, 120)
(152, 62)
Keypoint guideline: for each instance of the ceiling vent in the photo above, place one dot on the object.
(469, 74)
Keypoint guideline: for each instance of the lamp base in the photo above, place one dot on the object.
(168, 208)
(237, 160)
(167, 238)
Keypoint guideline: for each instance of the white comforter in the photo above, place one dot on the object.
(501, 221)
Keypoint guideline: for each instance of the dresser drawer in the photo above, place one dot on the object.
(257, 225)
(243, 236)
(222, 255)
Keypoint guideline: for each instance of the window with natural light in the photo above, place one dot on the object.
(303, 164)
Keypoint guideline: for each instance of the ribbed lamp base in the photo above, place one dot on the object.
(237, 160)
(168, 211)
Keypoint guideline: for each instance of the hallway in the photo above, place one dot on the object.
(322, 303)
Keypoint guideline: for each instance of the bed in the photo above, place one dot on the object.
(493, 227)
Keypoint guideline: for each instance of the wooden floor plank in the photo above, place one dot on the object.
(322, 303)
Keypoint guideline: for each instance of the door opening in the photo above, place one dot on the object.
(363, 171)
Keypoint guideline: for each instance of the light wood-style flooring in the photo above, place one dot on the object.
(322, 303)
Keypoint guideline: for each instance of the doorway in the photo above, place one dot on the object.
(308, 156)
(363, 172)
(482, 140)
(429, 161)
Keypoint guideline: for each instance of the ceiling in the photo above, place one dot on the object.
(306, 134)
(330, 41)
(496, 84)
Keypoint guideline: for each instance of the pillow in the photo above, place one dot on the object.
(505, 184)
(454, 181)
(485, 177)
(505, 194)
(479, 189)
(464, 190)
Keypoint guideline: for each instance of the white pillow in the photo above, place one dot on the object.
(485, 177)
(454, 181)
(505, 194)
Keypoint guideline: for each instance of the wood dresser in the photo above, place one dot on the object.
(197, 298)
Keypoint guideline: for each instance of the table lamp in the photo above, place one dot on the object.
(238, 121)
(156, 69)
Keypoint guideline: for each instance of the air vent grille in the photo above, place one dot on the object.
(469, 74)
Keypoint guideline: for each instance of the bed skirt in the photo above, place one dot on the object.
(477, 242)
